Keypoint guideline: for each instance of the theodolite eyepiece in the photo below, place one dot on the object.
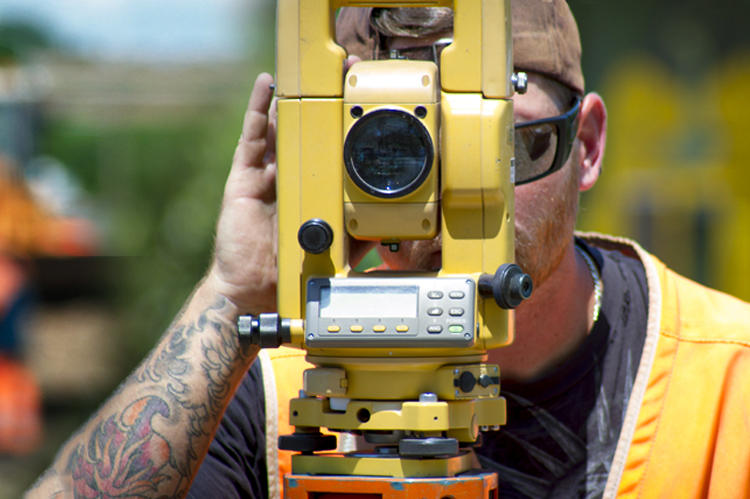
(509, 286)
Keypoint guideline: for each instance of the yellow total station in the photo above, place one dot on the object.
(394, 150)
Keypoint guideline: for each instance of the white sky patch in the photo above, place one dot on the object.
(144, 30)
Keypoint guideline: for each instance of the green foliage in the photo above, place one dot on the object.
(159, 191)
(18, 39)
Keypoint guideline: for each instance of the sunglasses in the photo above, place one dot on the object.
(543, 146)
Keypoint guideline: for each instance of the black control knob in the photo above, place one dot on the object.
(467, 381)
(265, 331)
(428, 447)
(307, 443)
(315, 236)
(509, 286)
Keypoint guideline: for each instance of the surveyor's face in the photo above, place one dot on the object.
(545, 210)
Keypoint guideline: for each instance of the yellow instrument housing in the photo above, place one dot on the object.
(468, 196)
(476, 147)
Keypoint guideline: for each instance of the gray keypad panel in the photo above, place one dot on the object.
(385, 312)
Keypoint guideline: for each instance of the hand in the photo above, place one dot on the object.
(244, 262)
(244, 268)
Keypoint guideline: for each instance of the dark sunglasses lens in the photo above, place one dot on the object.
(535, 150)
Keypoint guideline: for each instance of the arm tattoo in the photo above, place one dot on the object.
(151, 449)
(124, 457)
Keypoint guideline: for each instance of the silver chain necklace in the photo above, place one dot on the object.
(597, 282)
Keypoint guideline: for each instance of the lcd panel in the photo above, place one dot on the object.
(340, 302)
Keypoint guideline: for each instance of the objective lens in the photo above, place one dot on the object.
(388, 153)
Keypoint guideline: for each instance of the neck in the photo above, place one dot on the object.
(552, 324)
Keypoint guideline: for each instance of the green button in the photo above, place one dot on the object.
(456, 328)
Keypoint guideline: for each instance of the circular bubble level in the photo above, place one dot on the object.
(388, 153)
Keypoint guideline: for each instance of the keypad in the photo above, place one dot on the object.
(443, 314)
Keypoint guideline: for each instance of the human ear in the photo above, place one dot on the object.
(590, 139)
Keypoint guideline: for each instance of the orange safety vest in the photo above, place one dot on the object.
(686, 433)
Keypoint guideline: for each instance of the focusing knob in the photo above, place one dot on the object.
(264, 331)
(509, 286)
(315, 236)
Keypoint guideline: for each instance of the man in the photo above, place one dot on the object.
(624, 378)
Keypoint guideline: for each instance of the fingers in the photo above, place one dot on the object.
(259, 128)
(271, 136)
(256, 117)
(258, 140)
(252, 147)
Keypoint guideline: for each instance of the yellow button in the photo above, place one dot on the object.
(356, 328)
(402, 328)
(333, 329)
(379, 328)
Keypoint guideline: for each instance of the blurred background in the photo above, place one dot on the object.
(118, 120)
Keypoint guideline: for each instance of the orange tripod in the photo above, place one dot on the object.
(478, 485)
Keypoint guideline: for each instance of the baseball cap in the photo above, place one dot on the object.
(545, 39)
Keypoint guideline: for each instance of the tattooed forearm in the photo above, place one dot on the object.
(149, 439)
(218, 368)
(124, 457)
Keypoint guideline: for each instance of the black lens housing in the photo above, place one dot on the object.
(388, 153)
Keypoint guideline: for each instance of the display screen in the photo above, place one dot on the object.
(339, 302)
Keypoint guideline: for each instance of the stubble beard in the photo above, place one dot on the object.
(542, 241)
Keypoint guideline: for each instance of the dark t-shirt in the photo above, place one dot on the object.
(235, 465)
(562, 429)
